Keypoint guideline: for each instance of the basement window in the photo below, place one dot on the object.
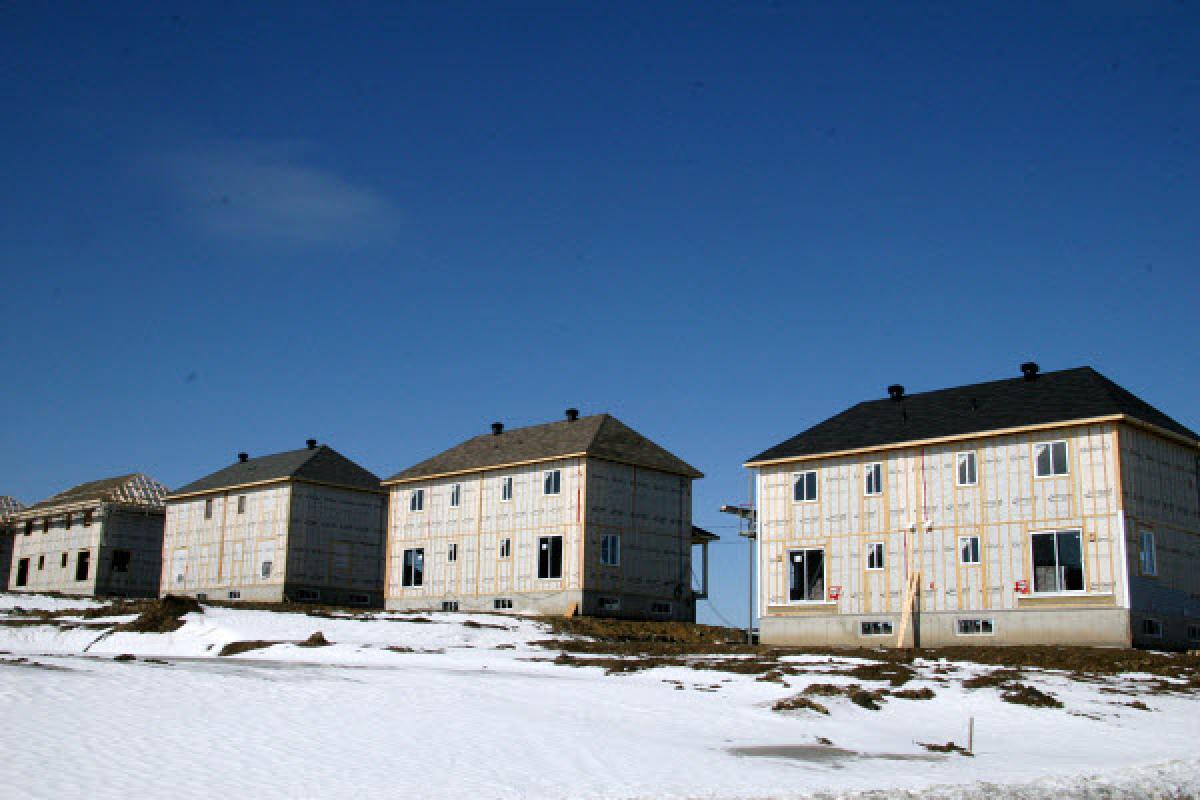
(875, 555)
(234, 594)
(202, 597)
(875, 627)
(505, 548)
(416, 500)
(449, 605)
(610, 550)
(307, 595)
(358, 599)
(455, 495)
(1147, 556)
(552, 481)
(506, 489)
(414, 567)
(121, 560)
(974, 627)
(968, 549)
(608, 604)
(1152, 628)
(967, 475)
(452, 551)
(804, 486)
(501, 603)
(241, 504)
(660, 608)
(1050, 459)
(873, 485)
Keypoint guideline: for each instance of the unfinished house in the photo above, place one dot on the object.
(8, 529)
(102, 538)
(1053, 508)
(584, 515)
(301, 526)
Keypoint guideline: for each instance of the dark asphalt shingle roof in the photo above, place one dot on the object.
(1051, 397)
(601, 435)
(322, 464)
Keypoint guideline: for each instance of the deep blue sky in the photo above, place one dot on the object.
(230, 231)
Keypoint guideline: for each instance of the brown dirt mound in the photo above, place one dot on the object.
(235, 648)
(993, 680)
(894, 673)
(799, 702)
(948, 747)
(824, 690)
(637, 637)
(316, 640)
(913, 694)
(162, 616)
(1024, 695)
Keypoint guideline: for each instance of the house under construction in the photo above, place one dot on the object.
(304, 526)
(102, 538)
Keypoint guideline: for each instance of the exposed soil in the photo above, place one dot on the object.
(997, 679)
(125, 657)
(895, 673)
(1024, 695)
(913, 694)
(799, 702)
(316, 640)
(160, 616)
(236, 648)
(948, 747)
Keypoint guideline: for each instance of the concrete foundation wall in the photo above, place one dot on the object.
(555, 603)
(1083, 627)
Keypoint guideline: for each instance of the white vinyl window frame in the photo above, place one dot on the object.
(873, 479)
(455, 495)
(978, 626)
(416, 501)
(804, 486)
(806, 579)
(1147, 554)
(876, 556)
(413, 568)
(966, 469)
(968, 551)
(1058, 575)
(552, 482)
(506, 489)
(1051, 459)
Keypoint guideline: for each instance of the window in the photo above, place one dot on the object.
(208, 505)
(660, 608)
(875, 628)
(506, 487)
(202, 597)
(1057, 562)
(241, 504)
(358, 599)
(1152, 628)
(875, 555)
(45, 524)
(806, 575)
(68, 520)
(974, 627)
(1194, 633)
(968, 549)
(414, 567)
(41, 562)
(455, 495)
(874, 479)
(505, 548)
(608, 604)
(121, 560)
(552, 481)
(307, 595)
(266, 568)
(449, 605)
(416, 500)
(610, 550)
(1148, 560)
(967, 475)
(1050, 458)
(87, 519)
(63, 565)
(804, 486)
(29, 528)
(501, 603)
(550, 557)
(82, 563)
(23, 572)
(235, 594)
(452, 552)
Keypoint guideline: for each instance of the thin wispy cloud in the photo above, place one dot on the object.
(271, 194)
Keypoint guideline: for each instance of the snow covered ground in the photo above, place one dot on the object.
(458, 711)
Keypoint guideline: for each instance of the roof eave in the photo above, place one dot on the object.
(268, 482)
(695, 474)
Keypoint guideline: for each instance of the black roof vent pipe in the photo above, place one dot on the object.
(572, 414)
(497, 428)
(896, 391)
(243, 457)
(312, 444)
(1030, 370)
